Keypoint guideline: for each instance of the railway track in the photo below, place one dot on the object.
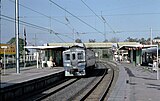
(48, 91)
(99, 90)
(56, 89)
(95, 87)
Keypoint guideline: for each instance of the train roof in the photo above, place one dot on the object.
(81, 45)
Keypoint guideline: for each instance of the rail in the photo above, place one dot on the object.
(56, 89)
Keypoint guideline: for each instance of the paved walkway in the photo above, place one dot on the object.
(142, 85)
(28, 73)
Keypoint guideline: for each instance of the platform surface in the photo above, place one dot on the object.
(10, 77)
(142, 86)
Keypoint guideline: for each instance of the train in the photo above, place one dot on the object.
(77, 60)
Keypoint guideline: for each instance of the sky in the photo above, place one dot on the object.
(49, 21)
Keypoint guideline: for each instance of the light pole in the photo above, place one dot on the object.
(157, 65)
(104, 21)
(151, 35)
(17, 34)
(68, 22)
(4, 58)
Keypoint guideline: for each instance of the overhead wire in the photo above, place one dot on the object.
(75, 16)
(120, 14)
(128, 14)
(27, 23)
(33, 26)
(91, 10)
(10, 19)
(60, 38)
(22, 22)
(40, 14)
(102, 19)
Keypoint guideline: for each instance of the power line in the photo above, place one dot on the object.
(26, 23)
(128, 14)
(91, 10)
(46, 29)
(34, 26)
(75, 16)
(60, 37)
(102, 19)
(39, 12)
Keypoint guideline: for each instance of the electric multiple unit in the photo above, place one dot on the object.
(77, 59)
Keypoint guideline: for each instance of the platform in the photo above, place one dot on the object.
(142, 84)
(28, 73)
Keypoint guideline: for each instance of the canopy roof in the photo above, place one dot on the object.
(44, 47)
(140, 46)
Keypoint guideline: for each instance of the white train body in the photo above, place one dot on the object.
(77, 60)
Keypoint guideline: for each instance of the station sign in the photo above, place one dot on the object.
(8, 49)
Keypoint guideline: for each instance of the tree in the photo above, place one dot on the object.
(142, 41)
(78, 41)
(21, 44)
(157, 37)
(114, 40)
(131, 40)
(105, 40)
(92, 40)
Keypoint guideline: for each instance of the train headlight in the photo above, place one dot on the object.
(68, 65)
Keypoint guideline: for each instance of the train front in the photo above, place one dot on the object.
(74, 62)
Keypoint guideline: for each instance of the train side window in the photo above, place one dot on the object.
(73, 56)
(67, 56)
(80, 56)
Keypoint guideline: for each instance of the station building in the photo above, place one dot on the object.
(135, 54)
(131, 51)
(53, 51)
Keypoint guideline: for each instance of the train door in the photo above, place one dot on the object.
(74, 61)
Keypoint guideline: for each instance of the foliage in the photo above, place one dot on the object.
(142, 40)
(92, 40)
(114, 40)
(105, 40)
(157, 37)
(129, 39)
(78, 41)
(21, 44)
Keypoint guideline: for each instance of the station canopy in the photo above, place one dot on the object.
(136, 47)
(45, 47)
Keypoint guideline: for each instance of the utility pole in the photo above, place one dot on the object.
(17, 35)
(35, 40)
(104, 21)
(0, 20)
(24, 48)
(157, 64)
(151, 35)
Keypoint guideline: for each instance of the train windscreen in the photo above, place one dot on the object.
(67, 56)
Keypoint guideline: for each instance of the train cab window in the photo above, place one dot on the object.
(73, 56)
(67, 56)
(80, 56)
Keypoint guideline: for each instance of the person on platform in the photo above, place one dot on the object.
(1, 65)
